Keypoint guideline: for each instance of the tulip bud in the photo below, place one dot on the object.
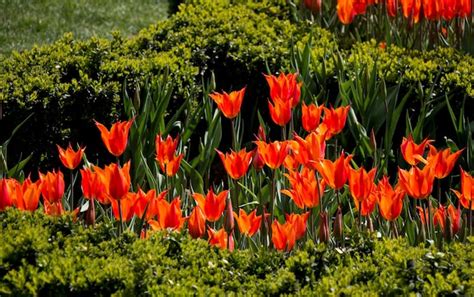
(90, 213)
(257, 161)
(338, 224)
(231, 242)
(370, 224)
(229, 217)
(448, 229)
(323, 227)
(373, 141)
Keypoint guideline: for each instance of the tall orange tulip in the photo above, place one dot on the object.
(248, 223)
(335, 119)
(229, 104)
(298, 223)
(283, 236)
(284, 88)
(119, 181)
(412, 152)
(171, 168)
(165, 149)
(417, 183)
(304, 188)
(27, 195)
(311, 116)
(392, 8)
(442, 161)
(142, 203)
(309, 150)
(53, 208)
(197, 223)
(335, 173)
(153, 204)
(345, 11)
(169, 215)
(366, 206)
(280, 111)
(236, 163)
(441, 216)
(127, 206)
(52, 186)
(213, 205)
(411, 9)
(274, 153)
(7, 192)
(390, 200)
(217, 238)
(92, 186)
(69, 157)
(116, 139)
(361, 183)
(466, 196)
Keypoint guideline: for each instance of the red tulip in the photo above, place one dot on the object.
(27, 195)
(52, 186)
(390, 200)
(165, 149)
(311, 116)
(280, 111)
(361, 183)
(197, 223)
(7, 192)
(345, 11)
(284, 88)
(304, 188)
(116, 139)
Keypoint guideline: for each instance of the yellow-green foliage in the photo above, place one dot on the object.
(41, 255)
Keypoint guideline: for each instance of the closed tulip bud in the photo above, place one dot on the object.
(229, 217)
(231, 242)
(338, 224)
(323, 227)
(90, 213)
(370, 224)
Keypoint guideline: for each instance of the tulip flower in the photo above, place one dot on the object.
(334, 120)
(311, 116)
(366, 206)
(53, 208)
(298, 223)
(118, 184)
(392, 8)
(324, 227)
(280, 112)
(335, 173)
(422, 214)
(411, 10)
(304, 191)
(361, 183)
(152, 207)
(441, 216)
(127, 206)
(28, 195)
(169, 215)
(284, 88)
(345, 11)
(217, 238)
(248, 223)
(236, 163)
(309, 150)
(412, 152)
(213, 205)
(229, 104)
(116, 139)
(274, 153)
(455, 218)
(390, 200)
(417, 183)
(171, 168)
(165, 149)
(7, 191)
(69, 157)
(92, 186)
(143, 201)
(466, 196)
(283, 236)
(290, 162)
(442, 161)
(313, 5)
(197, 223)
(52, 186)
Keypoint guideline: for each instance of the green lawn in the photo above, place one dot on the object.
(24, 23)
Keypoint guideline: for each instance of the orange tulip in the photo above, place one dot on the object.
(366, 206)
(213, 205)
(27, 195)
(335, 173)
(465, 9)
(422, 214)
(69, 157)
(345, 11)
(274, 153)
(466, 196)
(335, 120)
(392, 8)
(93, 186)
(236, 163)
(313, 5)
(7, 192)
(309, 150)
(217, 238)
(171, 168)
(116, 139)
(165, 149)
(143, 201)
(412, 152)
(197, 223)
(304, 191)
(455, 218)
(280, 112)
(248, 223)
(390, 200)
(229, 104)
(442, 161)
(52, 186)
(417, 183)
(440, 218)
(169, 215)
(411, 9)
(311, 116)
(53, 208)
(283, 236)
(284, 88)
(119, 181)
(361, 183)
(127, 206)
(153, 204)
(298, 223)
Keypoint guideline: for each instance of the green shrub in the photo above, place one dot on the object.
(41, 255)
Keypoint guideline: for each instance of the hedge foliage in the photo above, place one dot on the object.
(48, 256)
(237, 40)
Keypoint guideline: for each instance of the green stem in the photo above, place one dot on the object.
(235, 145)
(120, 215)
(72, 191)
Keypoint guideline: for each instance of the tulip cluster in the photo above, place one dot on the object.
(278, 192)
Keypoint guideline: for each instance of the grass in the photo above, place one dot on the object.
(24, 23)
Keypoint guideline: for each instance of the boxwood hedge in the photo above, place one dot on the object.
(237, 40)
(46, 256)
